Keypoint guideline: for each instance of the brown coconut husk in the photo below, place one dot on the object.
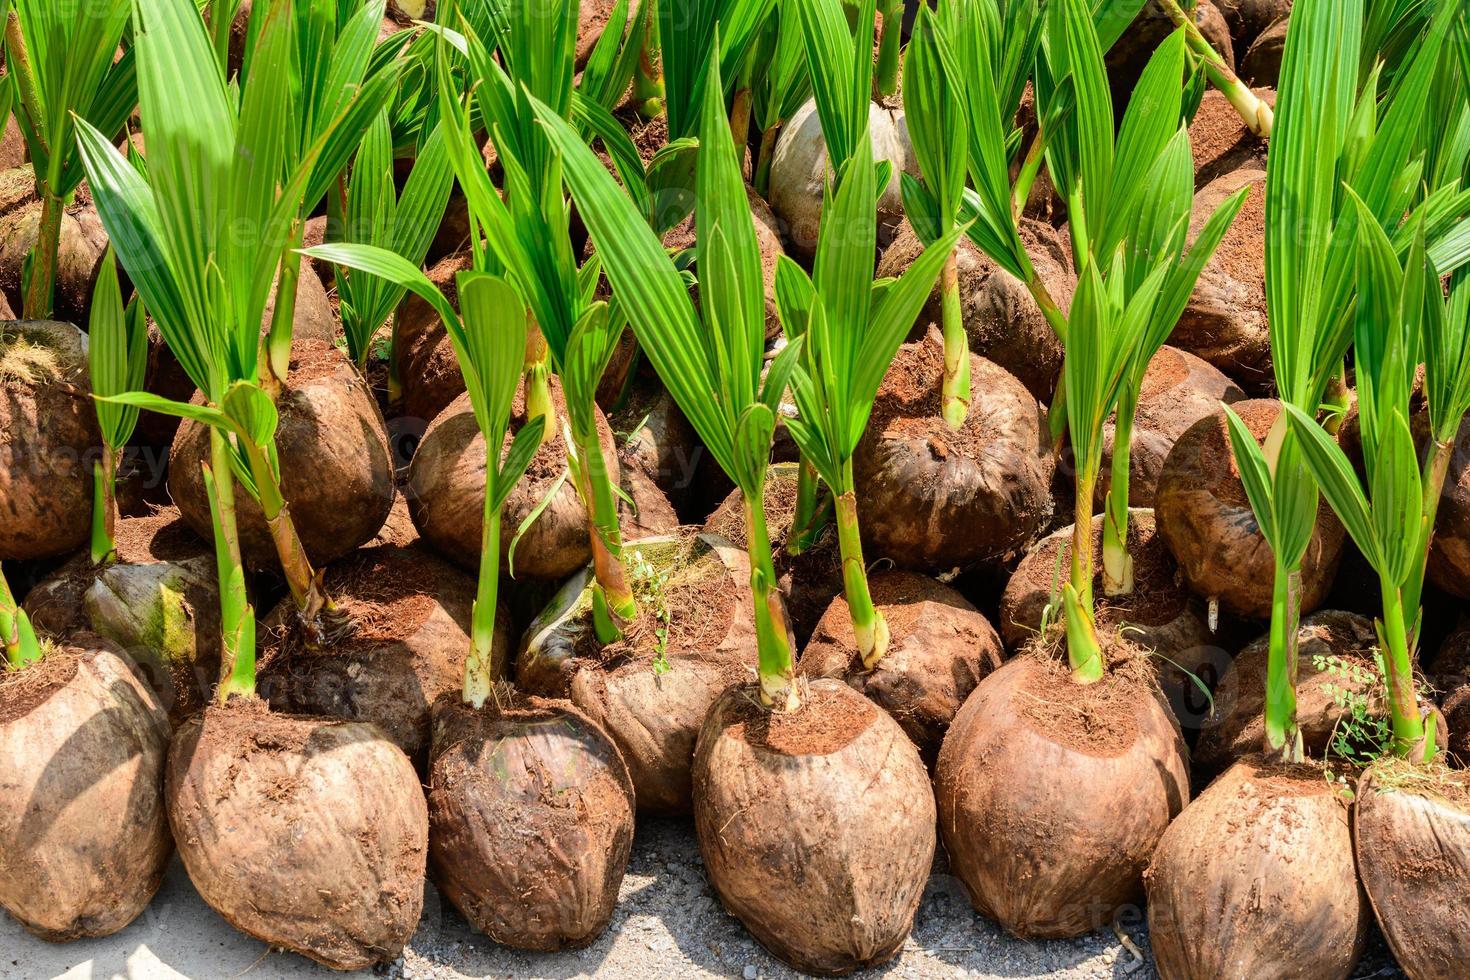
(532, 815)
(1256, 879)
(809, 581)
(446, 493)
(799, 172)
(50, 440)
(657, 441)
(1236, 725)
(13, 150)
(652, 708)
(1248, 18)
(1002, 320)
(1207, 522)
(159, 601)
(1411, 830)
(79, 253)
(398, 530)
(426, 366)
(1225, 320)
(645, 511)
(336, 465)
(1449, 555)
(933, 499)
(1455, 707)
(82, 746)
(1131, 52)
(816, 826)
(309, 834)
(412, 615)
(940, 648)
(1178, 390)
(1261, 64)
(1220, 140)
(1052, 794)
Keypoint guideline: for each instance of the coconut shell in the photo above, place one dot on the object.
(652, 710)
(426, 366)
(79, 253)
(1207, 522)
(657, 441)
(809, 581)
(1261, 64)
(50, 440)
(531, 810)
(307, 833)
(159, 601)
(82, 747)
(1236, 724)
(336, 467)
(816, 826)
(1455, 707)
(1052, 795)
(1412, 835)
(1256, 879)
(940, 647)
(933, 499)
(1225, 319)
(1000, 316)
(799, 172)
(1178, 390)
(412, 615)
(446, 494)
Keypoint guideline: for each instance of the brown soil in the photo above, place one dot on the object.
(1206, 520)
(412, 615)
(933, 499)
(940, 648)
(1219, 138)
(82, 746)
(816, 827)
(50, 441)
(248, 790)
(532, 816)
(1029, 762)
(1218, 901)
(335, 462)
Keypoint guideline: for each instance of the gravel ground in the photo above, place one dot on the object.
(668, 924)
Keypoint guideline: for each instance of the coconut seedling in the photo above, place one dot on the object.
(780, 86)
(1312, 285)
(214, 166)
(207, 286)
(1254, 112)
(118, 357)
(747, 785)
(1134, 276)
(64, 60)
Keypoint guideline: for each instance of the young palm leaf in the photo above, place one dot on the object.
(937, 127)
(693, 23)
(376, 215)
(781, 84)
(1386, 517)
(215, 165)
(1327, 134)
(118, 359)
(885, 81)
(61, 56)
(712, 367)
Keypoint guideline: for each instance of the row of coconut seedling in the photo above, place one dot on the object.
(663, 676)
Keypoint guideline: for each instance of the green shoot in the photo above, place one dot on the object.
(219, 162)
(711, 365)
(694, 25)
(61, 56)
(1327, 134)
(118, 359)
(1256, 115)
(1387, 521)
(885, 82)
(488, 342)
(21, 646)
(937, 126)
(375, 215)
(781, 84)
(648, 83)
(614, 59)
